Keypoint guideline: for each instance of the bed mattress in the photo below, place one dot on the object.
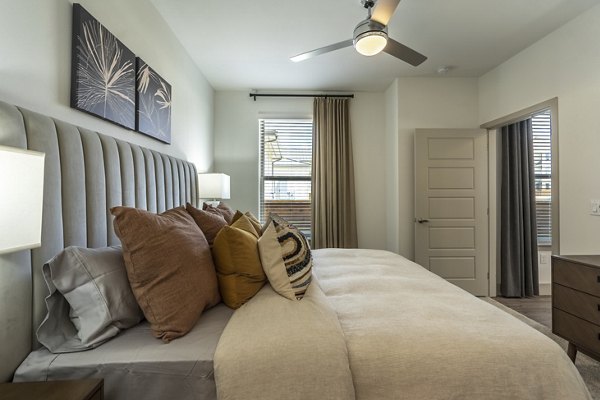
(372, 326)
(135, 365)
(405, 333)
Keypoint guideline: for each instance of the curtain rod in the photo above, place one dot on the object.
(255, 95)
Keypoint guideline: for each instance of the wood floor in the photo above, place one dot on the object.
(537, 308)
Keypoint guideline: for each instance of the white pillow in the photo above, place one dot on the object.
(90, 299)
(286, 258)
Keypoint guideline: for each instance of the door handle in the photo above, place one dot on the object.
(422, 221)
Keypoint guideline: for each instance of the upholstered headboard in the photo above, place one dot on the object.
(86, 173)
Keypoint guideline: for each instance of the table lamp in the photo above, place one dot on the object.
(213, 187)
(21, 199)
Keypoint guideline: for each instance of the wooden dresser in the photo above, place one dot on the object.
(576, 303)
(80, 389)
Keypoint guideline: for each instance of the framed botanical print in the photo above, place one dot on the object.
(102, 71)
(153, 103)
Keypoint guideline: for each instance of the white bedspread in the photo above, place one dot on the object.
(408, 334)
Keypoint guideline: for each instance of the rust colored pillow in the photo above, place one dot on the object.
(210, 223)
(169, 267)
(223, 209)
(239, 270)
(253, 220)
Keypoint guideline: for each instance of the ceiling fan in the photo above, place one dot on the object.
(370, 36)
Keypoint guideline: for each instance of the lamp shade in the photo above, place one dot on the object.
(21, 199)
(213, 186)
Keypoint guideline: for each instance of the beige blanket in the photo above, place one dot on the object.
(275, 348)
(408, 334)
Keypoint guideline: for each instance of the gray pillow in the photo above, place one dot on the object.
(90, 299)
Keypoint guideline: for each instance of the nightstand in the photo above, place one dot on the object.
(80, 389)
(576, 303)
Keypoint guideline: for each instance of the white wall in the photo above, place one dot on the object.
(565, 64)
(426, 103)
(383, 126)
(237, 152)
(545, 272)
(236, 139)
(367, 121)
(35, 68)
(391, 169)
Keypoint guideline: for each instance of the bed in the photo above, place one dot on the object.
(372, 325)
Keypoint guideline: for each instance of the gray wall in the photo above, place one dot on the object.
(35, 68)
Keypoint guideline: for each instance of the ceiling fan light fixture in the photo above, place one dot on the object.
(370, 37)
(370, 43)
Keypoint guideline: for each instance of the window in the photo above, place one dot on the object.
(542, 155)
(285, 170)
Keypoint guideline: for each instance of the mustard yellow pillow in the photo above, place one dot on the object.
(253, 220)
(239, 271)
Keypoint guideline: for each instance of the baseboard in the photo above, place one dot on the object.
(545, 289)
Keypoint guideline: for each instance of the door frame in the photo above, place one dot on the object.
(495, 181)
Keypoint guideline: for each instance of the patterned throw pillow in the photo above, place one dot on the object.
(286, 258)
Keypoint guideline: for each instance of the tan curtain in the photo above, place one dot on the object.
(333, 205)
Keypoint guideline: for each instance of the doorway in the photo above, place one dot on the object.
(545, 116)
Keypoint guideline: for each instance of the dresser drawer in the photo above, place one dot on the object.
(581, 304)
(99, 395)
(78, 389)
(582, 334)
(576, 276)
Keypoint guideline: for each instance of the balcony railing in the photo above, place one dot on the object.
(296, 212)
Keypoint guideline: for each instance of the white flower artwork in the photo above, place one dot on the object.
(103, 71)
(153, 103)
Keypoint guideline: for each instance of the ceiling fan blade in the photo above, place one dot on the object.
(404, 53)
(322, 50)
(383, 10)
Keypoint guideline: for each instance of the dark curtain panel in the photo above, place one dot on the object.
(518, 230)
(333, 204)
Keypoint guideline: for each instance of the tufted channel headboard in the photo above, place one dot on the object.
(86, 173)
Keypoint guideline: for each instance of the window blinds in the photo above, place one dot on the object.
(285, 170)
(542, 155)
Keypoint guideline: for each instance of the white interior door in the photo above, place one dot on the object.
(451, 206)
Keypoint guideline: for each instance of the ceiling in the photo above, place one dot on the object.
(242, 44)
